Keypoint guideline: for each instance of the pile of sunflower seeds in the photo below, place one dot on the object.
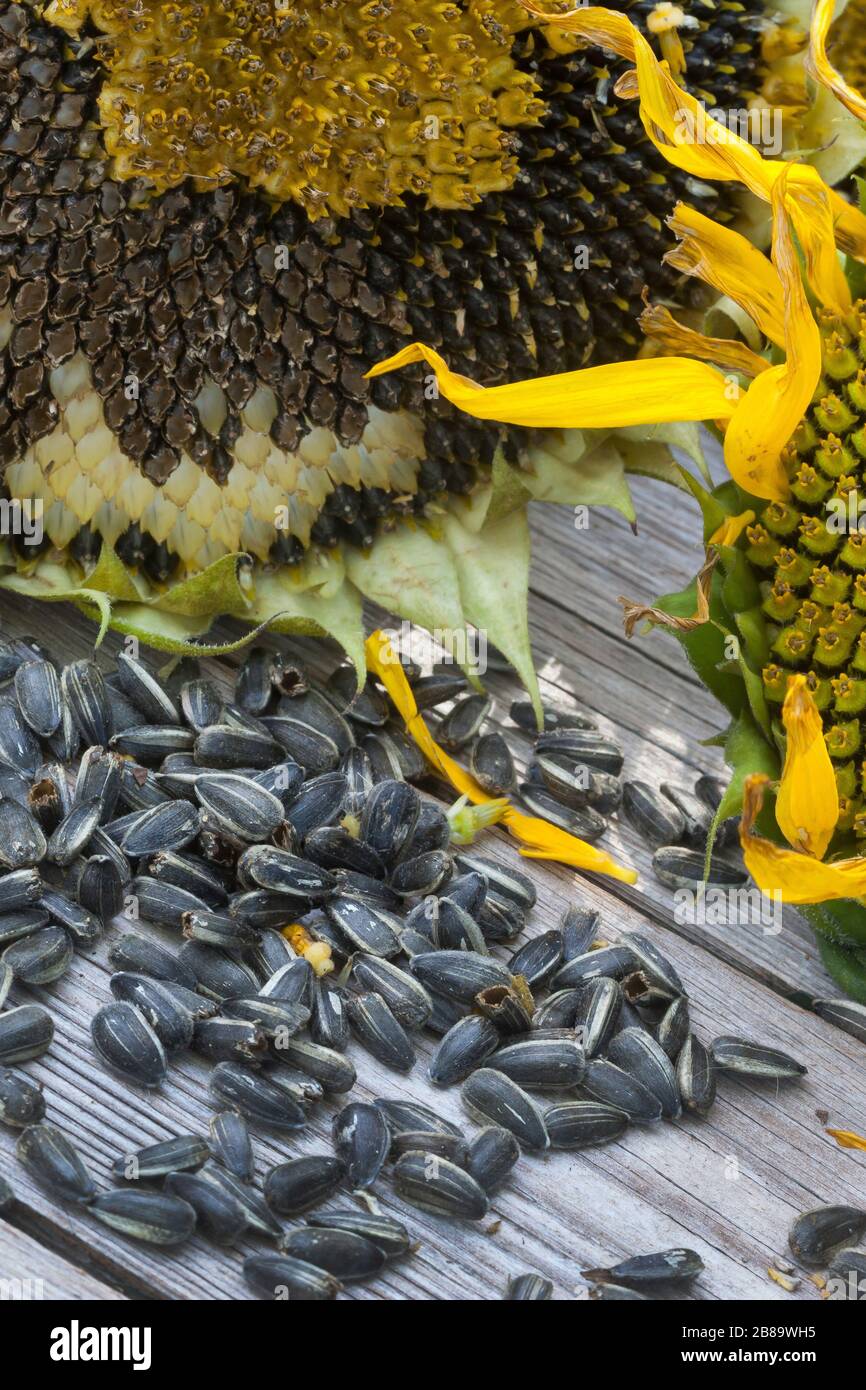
(293, 808)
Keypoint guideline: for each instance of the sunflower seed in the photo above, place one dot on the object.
(673, 1027)
(291, 983)
(578, 929)
(334, 848)
(169, 1014)
(329, 1026)
(501, 879)
(654, 965)
(492, 765)
(157, 1160)
(696, 1076)
(430, 691)
(435, 1184)
(388, 1235)
(609, 962)
(256, 1096)
(19, 747)
(281, 872)
(312, 750)
(145, 692)
(468, 891)
(230, 1040)
(41, 958)
(745, 1058)
(156, 1218)
(609, 1293)
(37, 690)
(169, 826)
(539, 959)
(652, 815)
(432, 830)
(6, 982)
(668, 1266)
(254, 684)
(459, 975)
(464, 1047)
(276, 1018)
(25, 1032)
(230, 1143)
(523, 715)
(22, 843)
(225, 746)
(423, 873)
(100, 890)
(582, 746)
(15, 926)
(264, 911)
(529, 1288)
(508, 1009)
(358, 772)
(389, 818)
(463, 722)
(316, 711)
(103, 845)
(491, 1097)
(302, 1183)
(142, 957)
(362, 1140)
(127, 1043)
(580, 1124)
(491, 1155)
(640, 1055)
(21, 1100)
(254, 1208)
(218, 1214)
(453, 929)
(73, 834)
(384, 759)
(406, 1116)
(281, 1277)
(345, 1255)
(190, 873)
(410, 759)
(162, 903)
(610, 1085)
(850, 1265)
(538, 1063)
(54, 1163)
(19, 889)
(201, 704)
(334, 1072)
(815, 1234)
(319, 802)
(586, 824)
(847, 1015)
(369, 928)
(684, 868)
(379, 1032)
(217, 929)
(407, 999)
(216, 973)
(150, 743)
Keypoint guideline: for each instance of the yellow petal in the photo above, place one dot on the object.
(847, 1139)
(659, 324)
(807, 806)
(691, 140)
(818, 65)
(650, 391)
(777, 400)
(543, 841)
(794, 878)
(731, 529)
(732, 265)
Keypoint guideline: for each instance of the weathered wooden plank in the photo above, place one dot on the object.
(29, 1271)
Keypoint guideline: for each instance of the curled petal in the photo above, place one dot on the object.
(807, 806)
(783, 873)
(659, 324)
(542, 840)
(731, 529)
(818, 65)
(847, 1139)
(730, 263)
(649, 391)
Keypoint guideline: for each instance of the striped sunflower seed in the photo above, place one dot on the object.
(191, 873)
(172, 825)
(156, 1218)
(599, 1009)
(253, 1206)
(257, 1097)
(319, 802)
(406, 997)
(329, 1026)
(581, 1124)
(145, 691)
(73, 834)
(254, 685)
(491, 1097)
(523, 715)
(301, 1183)
(459, 975)
(389, 818)
(54, 1163)
(21, 1100)
(345, 1255)
(230, 1143)
(464, 1048)
(225, 746)
(385, 761)
(365, 706)
(529, 1288)
(15, 926)
(435, 1184)
(640, 1055)
(845, 1013)
(368, 928)
(19, 889)
(150, 743)
(678, 1266)
(673, 1027)
(230, 1040)
(25, 1032)
(541, 1064)
(376, 1028)
(282, 1277)
(387, 1234)
(409, 1116)
(539, 959)
(306, 745)
(582, 746)
(435, 689)
(745, 1058)
(217, 973)
(6, 980)
(358, 772)
(491, 1155)
(652, 815)
(815, 1234)
(157, 1160)
(316, 710)
(22, 843)
(291, 983)
(334, 848)
(678, 867)
(217, 929)
(492, 765)
(218, 1214)
(281, 872)
(201, 704)
(696, 1076)
(654, 965)
(41, 958)
(141, 956)
(334, 1072)
(37, 690)
(423, 873)
(585, 823)
(578, 930)
(361, 1140)
(100, 890)
(275, 1017)
(128, 1044)
(19, 746)
(453, 929)
(463, 722)
(162, 903)
(611, 962)
(610, 1085)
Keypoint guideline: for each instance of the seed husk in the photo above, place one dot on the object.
(463, 1048)
(143, 957)
(507, 1008)
(375, 1026)
(301, 1183)
(541, 1064)
(281, 1277)
(156, 1160)
(539, 959)
(22, 843)
(578, 929)
(406, 997)
(229, 1040)
(256, 1096)
(491, 1155)
(529, 1288)
(746, 1058)
(679, 867)
(37, 690)
(127, 1043)
(157, 1218)
(385, 761)
(334, 1072)
(492, 764)
(54, 1163)
(270, 952)
(387, 1234)
(361, 1140)
(25, 1032)
(230, 1143)
(491, 1097)
(437, 1185)
(845, 1013)
(389, 818)
(218, 929)
(40, 958)
(642, 1057)
(21, 1100)
(408, 1116)
(654, 965)
(369, 928)
(610, 962)
(346, 1255)
(815, 1234)
(219, 1215)
(610, 1085)
(459, 975)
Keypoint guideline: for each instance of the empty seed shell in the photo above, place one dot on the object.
(746, 1058)
(37, 690)
(230, 1143)
(281, 1277)
(41, 958)
(491, 1097)
(156, 1160)
(157, 1218)
(21, 1100)
(464, 1048)
(25, 1032)
(640, 1055)
(301, 1183)
(509, 1008)
(815, 1234)
(256, 1096)
(346, 1255)
(54, 1163)
(362, 1140)
(435, 1184)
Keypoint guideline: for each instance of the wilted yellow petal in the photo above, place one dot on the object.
(690, 139)
(818, 65)
(730, 263)
(795, 878)
(543, 841)
(731, 529)
(659, 324)
(777, 400)
(807, 805)
(649, 391)
(847, 1139)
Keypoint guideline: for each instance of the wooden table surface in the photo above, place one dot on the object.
(728, 1186)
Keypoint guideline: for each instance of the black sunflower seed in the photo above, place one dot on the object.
(640, 1055)
(218, 1214)
(156, 1160)
(815, 1234)
(156, 1218)
(41, 958)
(54, 1163)
(406, 997)
(362, 1140)
(490, 1097)
(301, 1183)
(85, 693)
(463, 1048)
(538, 1063)
(346, 1255)
(387, 1234)
(258, 1097)
(37, 690)
(127, 1043)
(282, 1277)
(745, 1058)
(667, 1266)
(22, 1102)
(230, 1143)
(25, 1032)
(437, 1185)
(610, 1085)
(459, 975)
(696, 1076)
(145, 691)
(581, 1124)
